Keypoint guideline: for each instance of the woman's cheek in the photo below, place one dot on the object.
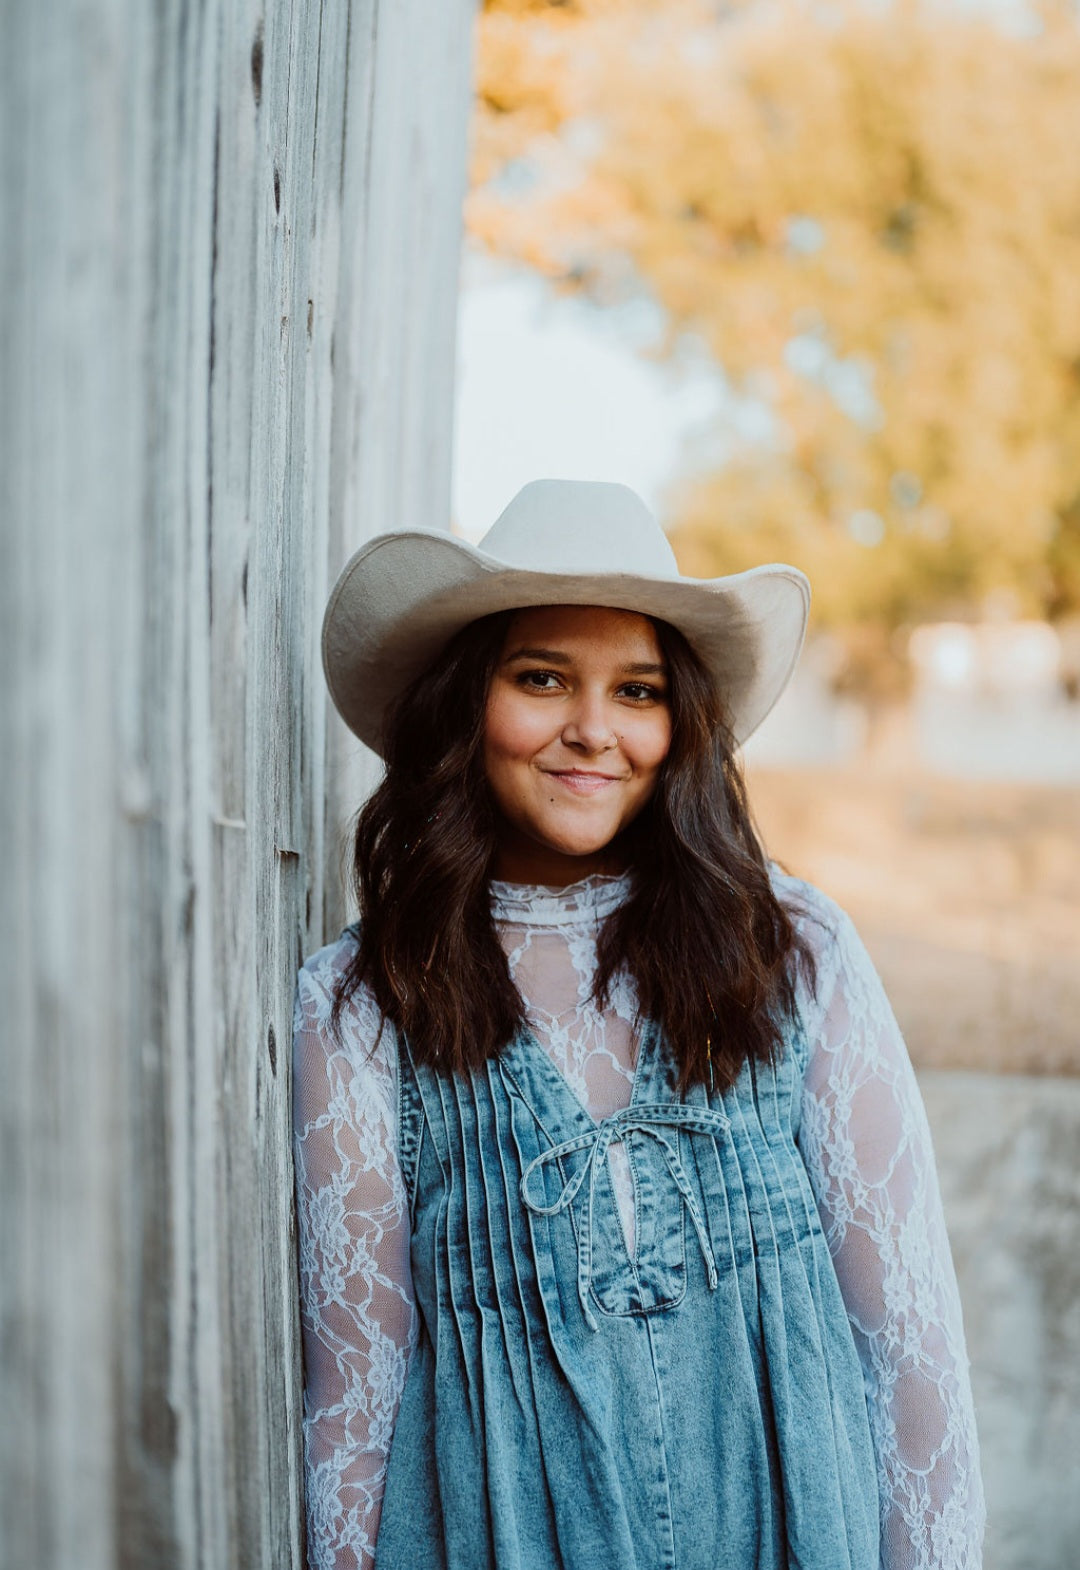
(516, 729)
(648, 748)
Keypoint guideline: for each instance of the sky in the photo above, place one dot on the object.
(558, 388)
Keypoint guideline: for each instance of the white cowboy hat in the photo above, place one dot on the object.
(402, 596)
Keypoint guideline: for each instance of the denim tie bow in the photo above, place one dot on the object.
(645, 1118)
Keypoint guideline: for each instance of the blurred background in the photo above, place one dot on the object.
(807, 276)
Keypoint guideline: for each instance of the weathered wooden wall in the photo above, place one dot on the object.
(229, 235)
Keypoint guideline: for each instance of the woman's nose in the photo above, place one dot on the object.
(589, 725)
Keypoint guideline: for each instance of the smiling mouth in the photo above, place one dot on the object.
(584, 782)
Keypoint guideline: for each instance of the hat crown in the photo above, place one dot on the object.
(580, 526)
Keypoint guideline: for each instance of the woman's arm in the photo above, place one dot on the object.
(866, 1143)
(357, 1308)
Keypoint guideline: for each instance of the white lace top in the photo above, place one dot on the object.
(864, 1139)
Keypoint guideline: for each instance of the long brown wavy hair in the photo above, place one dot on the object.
(713, 952)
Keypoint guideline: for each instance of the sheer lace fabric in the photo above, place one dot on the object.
(867, 1149)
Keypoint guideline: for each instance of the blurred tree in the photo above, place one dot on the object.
(871, 216)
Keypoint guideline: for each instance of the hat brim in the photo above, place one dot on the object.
(402, 597)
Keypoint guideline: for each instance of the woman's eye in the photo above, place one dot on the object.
(642, 692)
(538, 681)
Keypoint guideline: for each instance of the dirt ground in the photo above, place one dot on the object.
(966, 893)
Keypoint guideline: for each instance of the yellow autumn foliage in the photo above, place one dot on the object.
(871, 216)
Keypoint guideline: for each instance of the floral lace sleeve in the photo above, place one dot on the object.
(357, 1307)
(867, 1148)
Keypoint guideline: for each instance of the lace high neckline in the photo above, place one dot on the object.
(582, 904)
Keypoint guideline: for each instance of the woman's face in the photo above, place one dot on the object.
(577, 726)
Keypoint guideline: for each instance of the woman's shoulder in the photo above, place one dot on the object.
(360, 1031)
(344, 1071)
(818, 918)
(323, 966)
(322, 972)
(842, 967)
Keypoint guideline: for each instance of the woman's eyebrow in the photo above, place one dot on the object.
(547, 656)
(557, 657)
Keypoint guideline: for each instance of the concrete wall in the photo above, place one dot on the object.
(1008, 1151)
(229, 249)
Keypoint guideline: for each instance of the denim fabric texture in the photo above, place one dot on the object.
(699, 1406)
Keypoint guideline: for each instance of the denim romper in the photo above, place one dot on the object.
(697, 1407)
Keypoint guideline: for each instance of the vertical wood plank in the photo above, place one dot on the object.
(227, 312)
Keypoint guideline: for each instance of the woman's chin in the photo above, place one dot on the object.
(582, 846)
(560, 847)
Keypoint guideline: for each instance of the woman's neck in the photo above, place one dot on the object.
(527, 862)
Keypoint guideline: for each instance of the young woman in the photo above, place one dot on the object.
(620, 1236)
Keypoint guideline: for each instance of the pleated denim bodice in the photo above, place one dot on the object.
(699, 1405)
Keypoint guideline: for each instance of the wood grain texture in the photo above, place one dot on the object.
(230, 251)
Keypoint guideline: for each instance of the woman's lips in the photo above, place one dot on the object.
(582, 782)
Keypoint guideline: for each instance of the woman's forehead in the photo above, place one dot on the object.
(582, 625)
